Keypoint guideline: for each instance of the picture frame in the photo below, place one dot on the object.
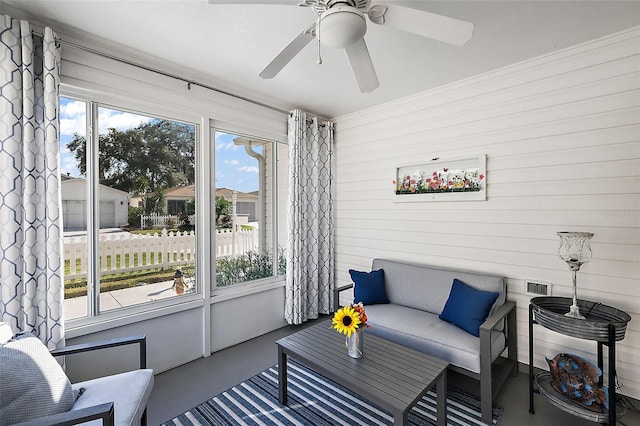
(452, 179)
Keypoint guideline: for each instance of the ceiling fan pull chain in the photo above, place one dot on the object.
(319, 60)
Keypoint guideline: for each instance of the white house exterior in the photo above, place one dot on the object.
(113, 205)
(177, 198)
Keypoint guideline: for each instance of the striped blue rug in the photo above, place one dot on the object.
(315, 400)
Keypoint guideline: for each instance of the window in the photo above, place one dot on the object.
(175, 207)
(128, 208)
(249, 205)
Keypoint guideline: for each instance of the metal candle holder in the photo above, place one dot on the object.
(575, 249)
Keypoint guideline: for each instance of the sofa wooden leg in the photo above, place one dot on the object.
(486, 400)
(486, 390)
(487, 416)
(512, 342)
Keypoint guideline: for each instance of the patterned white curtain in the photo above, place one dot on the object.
(31, 268)
(310, 249)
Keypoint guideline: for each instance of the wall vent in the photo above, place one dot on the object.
(537, 288)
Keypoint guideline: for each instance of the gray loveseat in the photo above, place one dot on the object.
(417, 296)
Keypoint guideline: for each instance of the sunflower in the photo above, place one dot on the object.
(346, 320)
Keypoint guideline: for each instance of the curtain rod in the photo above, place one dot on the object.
(310, 120)
(157, 71)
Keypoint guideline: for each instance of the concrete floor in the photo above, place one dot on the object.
(181, 388)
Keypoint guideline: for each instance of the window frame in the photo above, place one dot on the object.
(205, 194)
(96, 321)
(263, 284)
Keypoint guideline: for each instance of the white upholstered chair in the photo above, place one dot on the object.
(36, 391)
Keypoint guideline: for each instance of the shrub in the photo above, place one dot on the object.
(185, 222)
(148, 223)
(170, 223)
(134, 216)
(249, 266)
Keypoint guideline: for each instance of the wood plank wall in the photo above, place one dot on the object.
(562, 137)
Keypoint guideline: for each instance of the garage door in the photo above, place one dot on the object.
(107, 214)
(73, 216)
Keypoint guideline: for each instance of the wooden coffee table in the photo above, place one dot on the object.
(393, 376)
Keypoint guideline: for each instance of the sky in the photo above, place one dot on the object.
(234, 169)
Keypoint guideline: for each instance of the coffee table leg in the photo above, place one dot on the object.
(401, 419)
(282, 376)
(441, 391)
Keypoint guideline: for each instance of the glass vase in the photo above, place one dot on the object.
(355, 343)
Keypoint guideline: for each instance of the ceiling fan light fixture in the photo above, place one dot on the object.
(342, 26)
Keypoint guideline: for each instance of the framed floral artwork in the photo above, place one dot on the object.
(454, 179)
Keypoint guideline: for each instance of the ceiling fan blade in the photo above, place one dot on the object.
(426, 24)
(362, 66)
(288, 53)
(289, 2)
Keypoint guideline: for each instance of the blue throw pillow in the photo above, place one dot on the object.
(369, 287)
(467, 307)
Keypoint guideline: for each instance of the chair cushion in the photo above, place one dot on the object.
(6, 333)
(32, 383)
(369, 287)
(128, 391)
(467, 307)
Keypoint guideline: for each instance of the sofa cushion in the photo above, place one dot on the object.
(426, 333)
(369, 287)
(467, 307)
(427, 287)
(129, 405)
(32, 383)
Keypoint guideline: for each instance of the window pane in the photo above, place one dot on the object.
(147, 197)
(282, 161)
(244, 209)
(73, 125)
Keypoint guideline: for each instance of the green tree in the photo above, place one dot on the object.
(223, 210)
(155, 202)
(191, 206)
(142, 160)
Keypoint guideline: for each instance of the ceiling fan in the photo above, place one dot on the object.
(342, 24)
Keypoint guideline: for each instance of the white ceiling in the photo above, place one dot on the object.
(227, 46)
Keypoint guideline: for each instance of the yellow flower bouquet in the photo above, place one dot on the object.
(349, 319)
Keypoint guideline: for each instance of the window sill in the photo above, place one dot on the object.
(224, 294)
(130, 315)
(143, 312)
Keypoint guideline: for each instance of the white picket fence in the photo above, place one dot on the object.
(155, 221)
(244, 241)
(124, 252)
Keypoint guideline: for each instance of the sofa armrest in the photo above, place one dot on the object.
(507, 310)
(112, 343)
(74, 417)
(336, 295)
(497, 316)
